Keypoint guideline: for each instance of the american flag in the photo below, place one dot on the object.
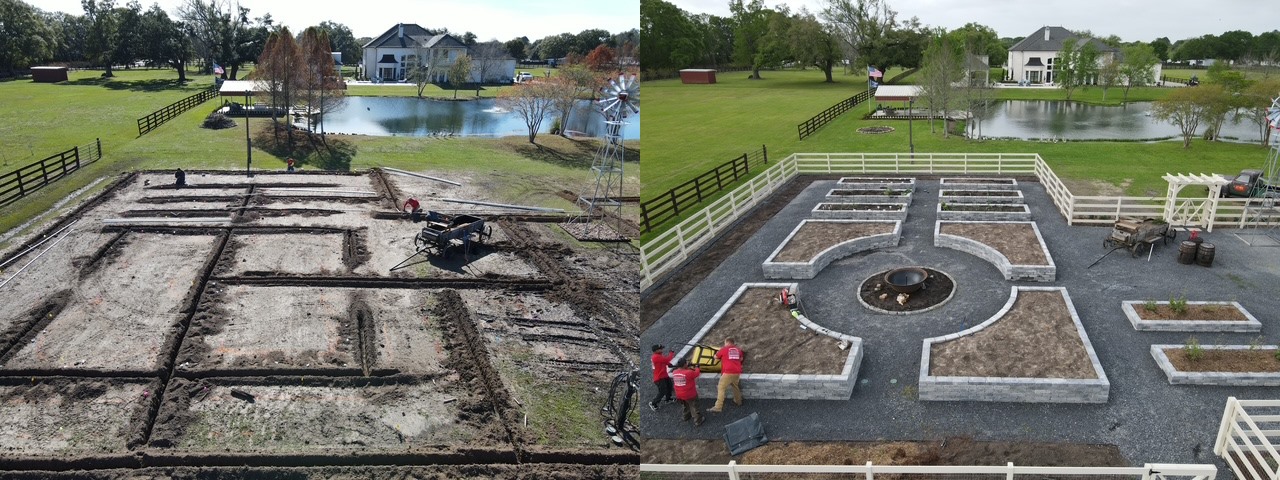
(217, 69)
(872, 72)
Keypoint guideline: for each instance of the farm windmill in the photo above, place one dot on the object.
(619, 99)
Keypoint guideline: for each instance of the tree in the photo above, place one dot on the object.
(421, 69)
(488, 58)
(675, 41)
(751, 22)
(1233, 85)
(165, 42)
(1160, 48)
(555, 46)
(587, 40)
(1076, 65)
(517, 48)
(1109, 74)
(1255, 100)
(981, 40)
(458, 72)
(860, 25)
(532, 101)
(68, 37)
(102, 32)
(1138, 67)
(942, 68)
(278, 70)
(1186, 108)
(600, 59)
(128, 41)
(25, 38)
(1234, 45)
(571, 85)
(813, 43)
(343, 41)
(209, 27)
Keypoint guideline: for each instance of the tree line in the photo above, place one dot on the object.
(1226, 95)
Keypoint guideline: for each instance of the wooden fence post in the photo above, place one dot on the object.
(764, 150)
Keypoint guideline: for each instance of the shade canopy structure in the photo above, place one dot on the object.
(897, 93)
(240, 88)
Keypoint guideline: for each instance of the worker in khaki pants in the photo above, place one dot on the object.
(730, 369)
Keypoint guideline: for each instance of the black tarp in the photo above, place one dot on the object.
(745, 434)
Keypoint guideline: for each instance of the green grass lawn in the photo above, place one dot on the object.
(693, 128)
(1252, 74)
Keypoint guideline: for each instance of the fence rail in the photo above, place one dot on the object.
(811, 125)
(1166, 78)
(157, 118)
(868, 471)
(668, 206)
(1245, 438)
(21, 182)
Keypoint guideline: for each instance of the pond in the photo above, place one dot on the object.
(387, 116)
(1045, 119)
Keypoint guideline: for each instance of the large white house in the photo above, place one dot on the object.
(391, 56)
(1032, 59)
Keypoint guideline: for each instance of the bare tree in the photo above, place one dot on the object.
(570, 85)
(941, 70)
(858, 24)
(321, 80)
(1109, 74)
(458, 72)
(279, 70)
(422, 69)
(488, 58)
(532, 101)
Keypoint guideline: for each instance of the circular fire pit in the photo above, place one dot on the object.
(925, 289)
(875, 130)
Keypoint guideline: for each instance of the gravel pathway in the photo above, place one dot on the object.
(1149, 419)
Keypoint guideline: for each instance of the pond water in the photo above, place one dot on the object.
(1044, 119)
(387, 116)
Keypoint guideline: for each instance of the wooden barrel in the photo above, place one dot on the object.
(1204, 256)
(1187, 252)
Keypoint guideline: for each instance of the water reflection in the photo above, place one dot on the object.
(416, 117)
(1044, 119)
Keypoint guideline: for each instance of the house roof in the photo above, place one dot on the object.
(414, 36)
(1036, 42)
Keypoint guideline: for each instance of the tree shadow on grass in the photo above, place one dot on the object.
(151, 85)
(324, 152)
(567, 152)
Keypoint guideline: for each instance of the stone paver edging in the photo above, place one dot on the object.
(880, 198)
(810, 269)
(1250, 325)
(969, 215)
(899, 214)
(1037, 273)
(963, 183)
(948, 197)
(908, 183)
(1240, 379)
(1006, 389)
(786, 386)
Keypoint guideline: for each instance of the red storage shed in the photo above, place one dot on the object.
(698, 75)
(49, 74)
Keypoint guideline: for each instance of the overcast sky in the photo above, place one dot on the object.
(488, 19)
(1132, 20)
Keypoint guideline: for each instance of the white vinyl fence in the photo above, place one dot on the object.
(733, 471)
(1246, 439)
(668, 251)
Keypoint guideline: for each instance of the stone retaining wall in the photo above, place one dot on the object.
(810, 269)
(945, 196)
(899, 215)
(1240, 379)
(832, 197)
(878, 182)
(1250, 325)
(969, 184)
(963, 215)
(1003, 389)
(1035, 273)
(786, 386)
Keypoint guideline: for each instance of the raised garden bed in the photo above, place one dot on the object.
(1199, 317)
(979, 196)
(784, 360)
(983, 211)
(860, 211)
(814, 244)
(870, 194)
(1235, 365)
(880, 182)
(978, 183)
(1033, 350)
(1016, 248)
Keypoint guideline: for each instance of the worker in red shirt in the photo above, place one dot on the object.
(660, 376)
(684, 380)
(730, 369)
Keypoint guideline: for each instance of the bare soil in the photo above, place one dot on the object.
(982, 181)
(981, 193)
(1035, 339)
(978, 207)
(936, 289)
(773, 340)
(881, 192)
(816, 236)
(1016, 241)
(1225, 361)
(1193, 312)
(870, 207)
(951, 451)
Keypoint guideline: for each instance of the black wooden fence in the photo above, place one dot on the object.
(818, 121)
(667, 206)
(1166, 78)
(21, 182)
(157, 118)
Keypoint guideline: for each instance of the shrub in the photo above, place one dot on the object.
(1149, 305)
(1193, 349)
(218, 121)
(1178, 304)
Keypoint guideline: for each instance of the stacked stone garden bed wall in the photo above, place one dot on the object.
(1016, 248)
(860, 211)
(964, 211)
(978, 183)
(1243, 321)
(947, 195)
(1180, 376)
(833, 240)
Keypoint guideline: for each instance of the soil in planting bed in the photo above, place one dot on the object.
(980, 193)
(875, 130)
(978, 207)
(1193, 312)
(1237, 361)
(868, 207)
(773, 340)
(1035, 339)
(1016, 241)
(814, 237)
(68, 417)
(866, 192)
(951, 451)
(936, 289)
(981, 181)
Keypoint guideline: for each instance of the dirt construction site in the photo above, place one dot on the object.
(255, 325)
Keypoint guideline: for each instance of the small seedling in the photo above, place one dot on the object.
(1278, 352)
(1178, 304)
(1255, 343)
(1149, 305)
(1193, 349)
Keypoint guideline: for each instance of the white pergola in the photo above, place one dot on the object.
(1187, 213)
